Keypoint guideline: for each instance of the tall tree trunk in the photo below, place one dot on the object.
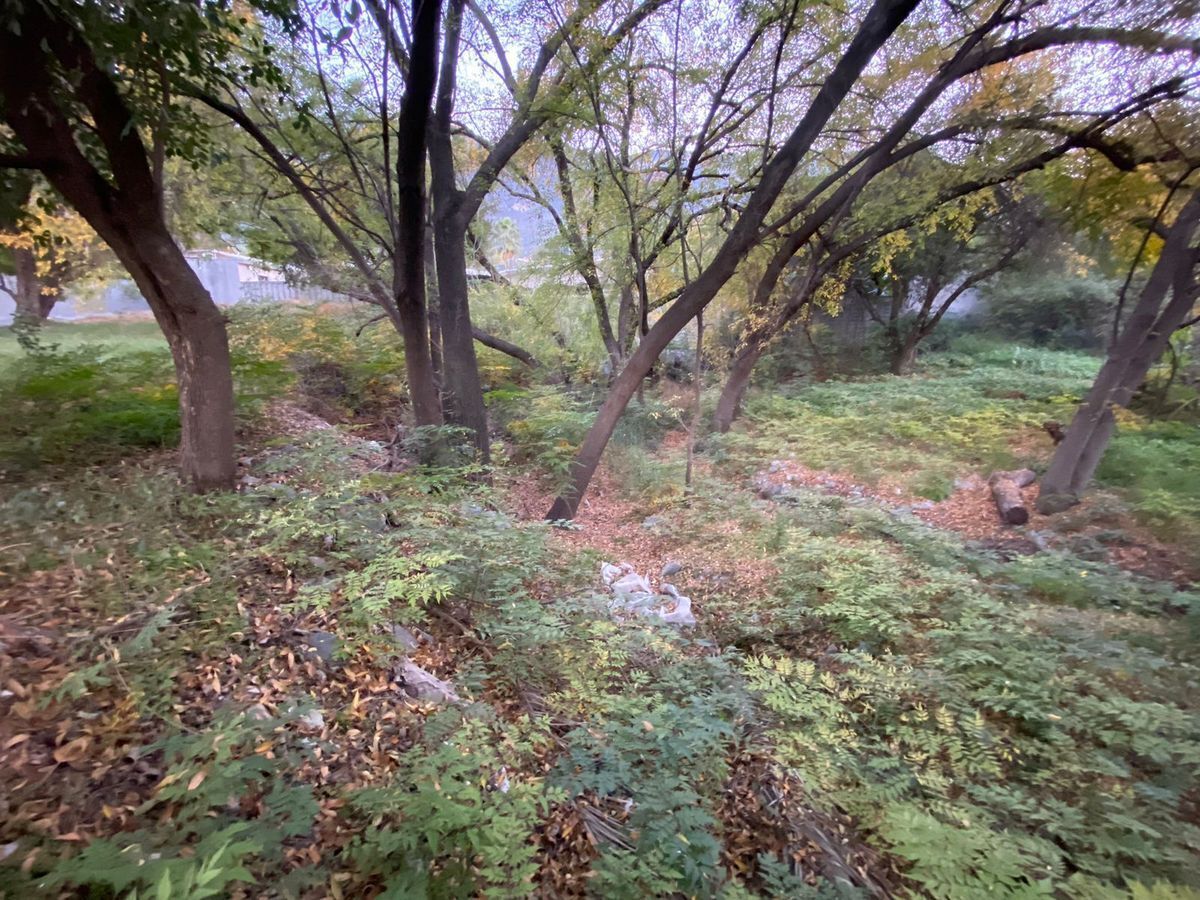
(195, 330)
(1143, 340)
(881, 20)
(411, 209)
(462, 391)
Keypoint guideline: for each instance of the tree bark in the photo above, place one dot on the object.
(508, 348)
(28, 289)
(729, 404)
(462, 392)
(904, 356)
(1144, 338)
(883, 18)
(410, 317)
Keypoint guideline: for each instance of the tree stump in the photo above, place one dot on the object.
(1006, 491)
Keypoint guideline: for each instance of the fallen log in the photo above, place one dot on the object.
(1006, 491)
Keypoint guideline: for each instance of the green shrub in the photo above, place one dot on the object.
(1051, 310)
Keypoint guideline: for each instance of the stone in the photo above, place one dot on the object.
(250, 480)
(313, 719)
(775, 466)
(258, 713)
(924, 504)
(425, 687)
(671, 568)
(405, 638)
(653, 522)
(1050, 504)
(322, 643)
(1039, 539)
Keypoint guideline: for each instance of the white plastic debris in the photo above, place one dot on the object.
(610, 573)
(634, 595)
(633, 583)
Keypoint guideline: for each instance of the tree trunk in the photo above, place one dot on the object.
(461, 387)
(462, 392)
(881, 20)
(697, 390)
(1146, 334)
(729, 404)
(27, 296)
(195, 330)
(411, 210)
(904, 356)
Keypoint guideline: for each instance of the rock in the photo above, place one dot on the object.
(405, 638)
(319, 562)
(653, 522)
(775, 466)
(966, 484)
(924, 504)
(1049, 504)
(671, 568)
(1040, 540)
(313, 719)
(901, 512)
(258, 713)
(322, 643)
(421, 685)
(250, 480)
(246, 461)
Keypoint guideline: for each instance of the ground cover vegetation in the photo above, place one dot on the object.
(748, 450)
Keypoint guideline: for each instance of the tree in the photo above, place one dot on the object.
(1164, 305)
(535, 101)
(938, 261)
(45, 248)
(83, 88)
(979, 49)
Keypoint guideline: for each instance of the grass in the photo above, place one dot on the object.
(973, 409)
(124, 336)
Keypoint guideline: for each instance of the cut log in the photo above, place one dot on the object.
(1006, 491)
(1023, 477)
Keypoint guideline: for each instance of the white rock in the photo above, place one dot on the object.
(312, 719)
(421, 685)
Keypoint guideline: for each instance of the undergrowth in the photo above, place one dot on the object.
(976, 725)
